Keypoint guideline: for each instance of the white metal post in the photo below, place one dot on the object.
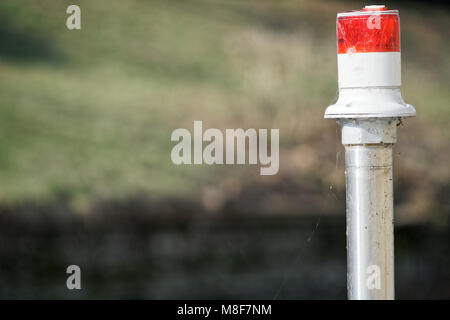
(368, 110)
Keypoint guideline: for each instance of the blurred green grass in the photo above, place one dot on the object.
(87, 115)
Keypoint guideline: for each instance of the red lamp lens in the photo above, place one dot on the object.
(376, 30)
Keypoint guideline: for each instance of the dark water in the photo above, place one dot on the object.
(188, 256)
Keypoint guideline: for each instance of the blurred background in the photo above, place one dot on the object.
(85, 172)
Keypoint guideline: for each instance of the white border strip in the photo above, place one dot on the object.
(365, 13)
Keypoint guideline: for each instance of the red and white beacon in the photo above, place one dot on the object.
(369, 65)
(369, 108)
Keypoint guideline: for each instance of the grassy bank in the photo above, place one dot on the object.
(87, 115)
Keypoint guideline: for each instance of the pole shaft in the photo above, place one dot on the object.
(370, 236)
